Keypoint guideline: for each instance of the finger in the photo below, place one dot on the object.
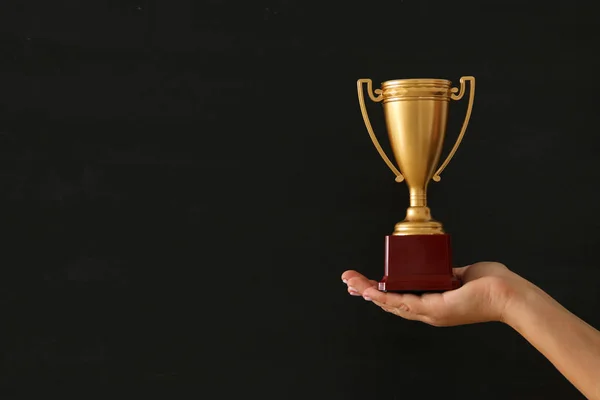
(399, 311)
(353, 292)
(346, 276)
(405, 302)
(360, 283)
(386, 308)
(351, 274)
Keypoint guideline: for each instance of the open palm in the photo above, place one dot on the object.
(487, 287)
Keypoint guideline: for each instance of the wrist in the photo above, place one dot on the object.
(520, 295)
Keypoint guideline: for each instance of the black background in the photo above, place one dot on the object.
(183, 183)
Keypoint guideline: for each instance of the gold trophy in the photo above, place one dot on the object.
(418, 254)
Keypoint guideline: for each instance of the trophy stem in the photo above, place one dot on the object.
(418, 219)
(418, 197)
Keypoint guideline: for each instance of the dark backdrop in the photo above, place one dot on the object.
(183, 182)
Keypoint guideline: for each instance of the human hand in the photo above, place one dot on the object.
(487, 289)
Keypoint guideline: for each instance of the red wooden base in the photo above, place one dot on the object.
(418, 263)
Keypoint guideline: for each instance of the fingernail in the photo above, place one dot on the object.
(350, 288)
(345, 280)
(367, 298)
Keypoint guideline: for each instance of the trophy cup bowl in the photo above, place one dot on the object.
(418, 254)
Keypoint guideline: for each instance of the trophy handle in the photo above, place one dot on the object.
(454, 96)
(365, 115)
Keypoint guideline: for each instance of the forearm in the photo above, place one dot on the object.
(569, 343)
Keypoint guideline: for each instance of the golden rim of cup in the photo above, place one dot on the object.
(416, 82)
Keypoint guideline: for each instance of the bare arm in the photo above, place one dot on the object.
(491, 292)
(569, 343)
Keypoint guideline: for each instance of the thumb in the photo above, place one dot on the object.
(460, 272)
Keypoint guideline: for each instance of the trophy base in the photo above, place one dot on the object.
(418, 264)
